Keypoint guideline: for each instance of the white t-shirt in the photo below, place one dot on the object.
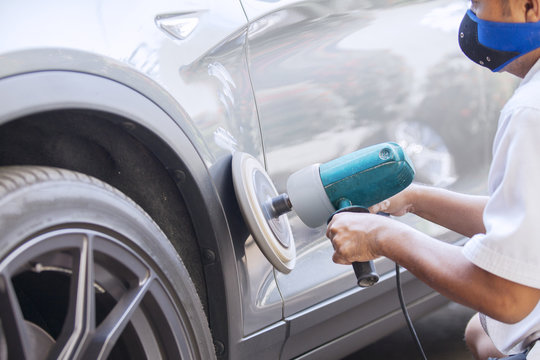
(511, 246)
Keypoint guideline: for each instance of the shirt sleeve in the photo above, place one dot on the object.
(511, 246)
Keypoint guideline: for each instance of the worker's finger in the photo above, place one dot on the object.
(331, 228)
(330, 233)
(380, 207)
(336, 258)
(345, 249)
(333, 245)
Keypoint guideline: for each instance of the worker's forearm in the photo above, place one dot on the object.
(444, 268)
(457, 212)
(362, 237)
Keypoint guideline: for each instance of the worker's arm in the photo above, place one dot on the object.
(440, 206)
(362, 237)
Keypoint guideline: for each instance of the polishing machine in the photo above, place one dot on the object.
(352, 182)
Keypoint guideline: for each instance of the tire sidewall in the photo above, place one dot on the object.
(81, 201)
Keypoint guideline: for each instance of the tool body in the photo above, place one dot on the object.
(352, 182)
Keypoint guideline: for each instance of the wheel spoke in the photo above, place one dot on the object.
(87, 274)
(110, 329)
(80, 319)
(12, 320)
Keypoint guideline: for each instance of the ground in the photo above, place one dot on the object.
(441, 335)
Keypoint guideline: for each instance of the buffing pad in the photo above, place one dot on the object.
(254, 191)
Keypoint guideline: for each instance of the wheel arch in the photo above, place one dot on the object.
(81, 121)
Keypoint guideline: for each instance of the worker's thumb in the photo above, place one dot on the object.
(380, 207)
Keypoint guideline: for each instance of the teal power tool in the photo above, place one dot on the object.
(317, 192)
(352, 182)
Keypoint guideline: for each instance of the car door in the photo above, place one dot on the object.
(333, 76)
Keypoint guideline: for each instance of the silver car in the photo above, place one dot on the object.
(121, 236)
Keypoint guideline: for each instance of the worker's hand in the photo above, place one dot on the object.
(399, 204)
(355, 236)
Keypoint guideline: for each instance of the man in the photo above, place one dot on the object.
(498, 271)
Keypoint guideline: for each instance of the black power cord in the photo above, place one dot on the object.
(406, 314)
(398, 282)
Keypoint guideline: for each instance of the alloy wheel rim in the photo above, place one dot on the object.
(106, 299)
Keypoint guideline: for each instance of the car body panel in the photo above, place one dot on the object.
(92, 37)
(202, 82)
(292, 83)
(67, 89)
(330, 77)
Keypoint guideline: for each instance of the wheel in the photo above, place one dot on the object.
(86, 274)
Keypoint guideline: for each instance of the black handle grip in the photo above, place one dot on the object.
(365, 272)
(366, 275)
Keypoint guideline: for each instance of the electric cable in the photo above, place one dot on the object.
(406, 314)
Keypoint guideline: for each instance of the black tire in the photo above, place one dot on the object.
(86, 274)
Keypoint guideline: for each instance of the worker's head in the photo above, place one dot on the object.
(502, 34)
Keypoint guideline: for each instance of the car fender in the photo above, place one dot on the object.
(172, 141)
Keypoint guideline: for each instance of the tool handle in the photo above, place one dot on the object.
(365, 272)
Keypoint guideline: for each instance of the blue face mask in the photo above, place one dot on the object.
(495, 44)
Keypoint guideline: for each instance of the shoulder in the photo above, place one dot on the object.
(527, 95)
(522, 111)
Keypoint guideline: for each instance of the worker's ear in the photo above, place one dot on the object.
(532, 10)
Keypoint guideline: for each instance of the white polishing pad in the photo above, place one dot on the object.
(254, 190)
